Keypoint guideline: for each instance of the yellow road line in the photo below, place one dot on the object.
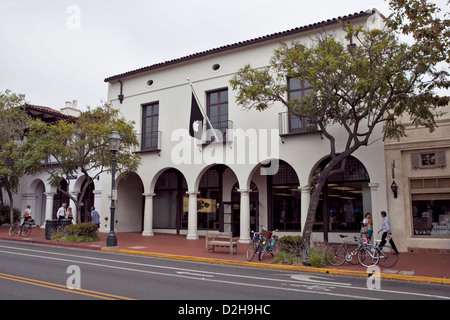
(59, 287)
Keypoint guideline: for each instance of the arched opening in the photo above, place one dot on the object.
(60, 197)
(344, 199)
(88, 201)
(283, 198)
(169, 208)
(214, 206)
(130, 204)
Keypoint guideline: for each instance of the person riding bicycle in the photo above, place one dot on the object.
(27, 215)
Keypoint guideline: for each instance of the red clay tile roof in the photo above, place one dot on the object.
(242, 44)
(47, 114)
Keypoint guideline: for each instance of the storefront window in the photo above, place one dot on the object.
(285, 197)
(431, 217)
(430, 203)
(345, 199)
(168, 203)
(209, 199)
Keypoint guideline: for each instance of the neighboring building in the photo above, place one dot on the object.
(35, 189)
(419, 164)
(258, 176)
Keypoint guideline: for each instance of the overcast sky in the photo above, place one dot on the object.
(57, 51)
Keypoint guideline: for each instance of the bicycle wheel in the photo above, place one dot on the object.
(335, 254)
(275, 249)
(26, 230)
(251, 250)
(388, 258)
(262, 250)
(13, 229)
(368, 256)
(351, 254)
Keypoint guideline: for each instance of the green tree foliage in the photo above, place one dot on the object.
(357, 88)
(425, 22)
(13, 120)
(66, 148)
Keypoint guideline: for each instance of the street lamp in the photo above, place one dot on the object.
(114, 142)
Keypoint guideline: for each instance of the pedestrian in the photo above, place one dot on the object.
(95, 217)
(367, 228)
(70, 214)
(387, 232)
(61, 214)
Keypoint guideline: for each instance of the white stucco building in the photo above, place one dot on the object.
(36, 191)
(258, 176)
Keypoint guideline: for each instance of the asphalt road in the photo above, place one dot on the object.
(38, 272)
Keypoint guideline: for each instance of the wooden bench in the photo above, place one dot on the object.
(221, 239)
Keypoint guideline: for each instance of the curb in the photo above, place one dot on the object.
(282, 267)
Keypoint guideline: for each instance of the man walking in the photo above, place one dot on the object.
(61, 214)
(387, 232)
(95, 217)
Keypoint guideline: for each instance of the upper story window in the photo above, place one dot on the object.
(218, 107)
(217, 110)
(293, 124)
(428, 159)
(150, 133)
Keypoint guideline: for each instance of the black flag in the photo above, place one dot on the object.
(196, 121)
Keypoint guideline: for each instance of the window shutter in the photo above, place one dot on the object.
(441, 158)
(415, 160)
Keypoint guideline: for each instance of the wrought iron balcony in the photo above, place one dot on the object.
(289, 124)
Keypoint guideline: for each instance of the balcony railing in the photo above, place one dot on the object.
(150, 141)
(222, 129)
(292, 125)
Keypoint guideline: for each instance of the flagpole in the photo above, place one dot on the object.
(203, 111)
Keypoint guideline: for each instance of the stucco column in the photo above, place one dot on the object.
(245, 216)
(376, 217)
(192, 216)
(49, 197)
(305, 199)
(148, 214)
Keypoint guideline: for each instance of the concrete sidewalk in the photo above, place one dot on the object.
(422, 267)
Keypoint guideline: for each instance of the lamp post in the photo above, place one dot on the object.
(114, 142)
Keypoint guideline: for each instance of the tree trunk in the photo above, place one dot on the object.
(310, 218)
(11, 208)
(320, 184)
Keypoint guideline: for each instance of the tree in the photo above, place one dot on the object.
(13, 120)
(68, 147)
(423, 22)
(357, 88)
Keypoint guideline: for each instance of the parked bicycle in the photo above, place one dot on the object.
(387, 256)
(269, 243)
(338, 254)
(21, 229)
(255, 245)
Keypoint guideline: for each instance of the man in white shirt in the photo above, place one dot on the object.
(386, 229)
(61, 214)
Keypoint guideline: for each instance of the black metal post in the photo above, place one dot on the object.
(111, 241)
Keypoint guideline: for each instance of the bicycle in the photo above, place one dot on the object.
(269, 243)
(21, 229)
(388, 257)
(338, 254)
(255, 245)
